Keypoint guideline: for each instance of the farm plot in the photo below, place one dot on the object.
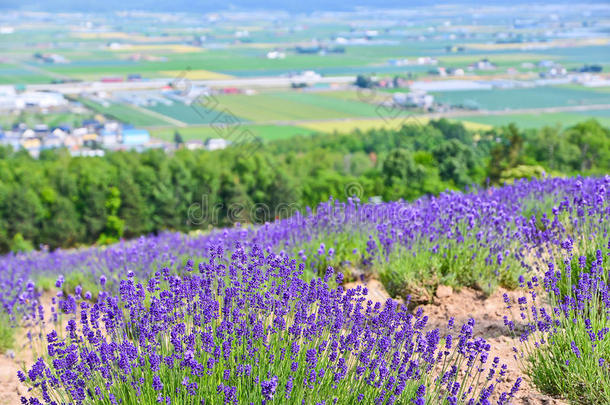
(195, 114)
(352, 107)
(50, 119)
(539, 97)
(537, 120)
(263, 132)
(293, 106)
(350, 125)
(13, 74)
(130, 114)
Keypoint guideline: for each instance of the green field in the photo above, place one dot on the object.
(351, 108)
(194, 114)
(51, 119)
(14, 74)
(289, 106)
(539, 97)
(236, 61)
(534, 120)
(127, 113)
(264, 132)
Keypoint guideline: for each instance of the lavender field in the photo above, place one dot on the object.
(281, 313)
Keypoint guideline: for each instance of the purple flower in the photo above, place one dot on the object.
(268, 388)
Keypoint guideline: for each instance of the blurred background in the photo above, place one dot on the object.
(119, 119)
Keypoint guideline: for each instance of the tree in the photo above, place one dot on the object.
(401, 174)
(178, 139)
(593, 142)
(452, 130)
(456, 162)
(62, 228)
(114, 225)
(507, 154)
(364, 82)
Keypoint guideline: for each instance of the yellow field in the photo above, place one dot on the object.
(122, 36)
(350, 125)
(377, 123)
(159, 47)
(502, 57)
(196, 74)
(101, 35)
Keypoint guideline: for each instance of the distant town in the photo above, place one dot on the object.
(139, 80)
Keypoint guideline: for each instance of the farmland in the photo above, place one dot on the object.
(325, 205)
(128, 113)
(537, 120)
(156, 48)
(264, 132)
(504, 99)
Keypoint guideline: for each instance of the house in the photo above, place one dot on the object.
(41, 129)
(64, 127)
(41, 99)
(109, 138)
(72, 142)
(51, 142)
(426, 60)
(87, 152)
(194, 144)
(455, 71)
(135, 137)
(78, 132)
(112, 126)
(28, 134)
(60, 133)
(216, 143)
(89, 139)
(32, 145)
(419, 99)
(8, 96)
(483, 64)
(546, 63)
(11, 140)
(91, 125)
(275, 55)
(111, 79)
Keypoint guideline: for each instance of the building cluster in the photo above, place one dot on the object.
(421, 61)
(91, 138)
(12, 98)
(414, 99)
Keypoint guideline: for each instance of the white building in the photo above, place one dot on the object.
(7, 97)
(194, 144)
(216, 143)
(42, 99)
(419, 99)
(275, 55)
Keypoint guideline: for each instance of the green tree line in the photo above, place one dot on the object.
(63, 201)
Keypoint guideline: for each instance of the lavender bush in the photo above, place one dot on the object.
(564, 342)
(481, 239)
(249, 330)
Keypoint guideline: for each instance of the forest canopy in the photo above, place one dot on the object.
(63, 201)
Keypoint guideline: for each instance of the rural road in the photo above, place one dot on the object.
(276, 81)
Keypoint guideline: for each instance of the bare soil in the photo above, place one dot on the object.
(488, 312)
